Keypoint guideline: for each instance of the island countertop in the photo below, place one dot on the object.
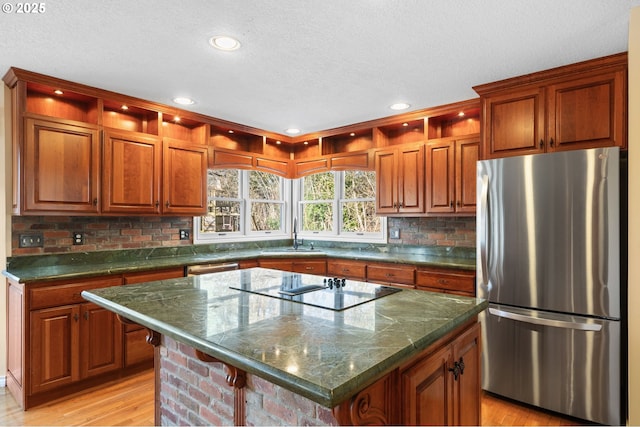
(322, 354)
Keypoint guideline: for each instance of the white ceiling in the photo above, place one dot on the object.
(312, 65)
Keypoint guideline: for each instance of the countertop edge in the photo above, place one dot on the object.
(326, 397)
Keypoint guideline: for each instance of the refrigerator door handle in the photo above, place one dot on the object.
(484, 233)
(544, 321)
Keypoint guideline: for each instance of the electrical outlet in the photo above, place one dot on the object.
(394, 233)
(31, 240)
(78, 238)
(184, 234)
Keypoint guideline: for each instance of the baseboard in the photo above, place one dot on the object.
(3, 381)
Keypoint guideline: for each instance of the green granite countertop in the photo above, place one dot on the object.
(28, 269)
(322, 354)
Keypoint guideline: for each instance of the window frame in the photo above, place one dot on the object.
(245, 233)
(337, 234)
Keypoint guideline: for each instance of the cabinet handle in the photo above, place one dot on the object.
(458, 369)
(400, 205)
(458, 203)
(551, 142)
(308, 268)
(167, 204)
(541, 144)
(451, 204)
(157, 203)
(443, 281)
(75, 317)
(86, 315)
(95, 202)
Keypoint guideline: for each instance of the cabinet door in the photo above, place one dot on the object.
(467, 390)
(465, 177)
(100, 340)
(54, 355)
(514, 123)
(184, 178)
(440, 177)
(587, 112)
(131, 173)
(61, 168)
(411, 180)
(386, 182)
(427, 391)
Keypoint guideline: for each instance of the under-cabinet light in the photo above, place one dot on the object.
(124, 107)
(58, 92)
(461, 114)
(230, 131)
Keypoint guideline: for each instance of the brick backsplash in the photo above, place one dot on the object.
(100, 233)
(114, 233)
(434, 231)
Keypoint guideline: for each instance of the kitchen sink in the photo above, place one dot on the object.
(292, 251)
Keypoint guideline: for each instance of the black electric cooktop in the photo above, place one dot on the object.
(331, 293)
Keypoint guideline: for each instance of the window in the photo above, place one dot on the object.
(243, 205)
(339, 205)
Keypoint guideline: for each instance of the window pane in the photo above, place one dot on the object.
(320, 186)
(264, 186)
(360, 217)
(317, 216)
(266, 216)
(359, 185)
(223, 216)
(223, 183)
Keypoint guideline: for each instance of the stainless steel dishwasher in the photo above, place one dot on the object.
(196, 270)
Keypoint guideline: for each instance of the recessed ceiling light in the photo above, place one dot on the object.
(399, 106)
(182, 100)
(224, 43)
(292, 131)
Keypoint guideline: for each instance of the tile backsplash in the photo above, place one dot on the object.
(113, 233)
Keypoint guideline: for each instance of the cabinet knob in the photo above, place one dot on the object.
(451, 204)
(551, 142)
(75, 317)
(167, 204)
(86, 315)
(95, 202)
(458, 203)
(541, 144)
(157, 203)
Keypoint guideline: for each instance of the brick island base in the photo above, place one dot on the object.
(194, 392)
(439, 386)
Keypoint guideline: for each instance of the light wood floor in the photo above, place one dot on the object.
(130, 402)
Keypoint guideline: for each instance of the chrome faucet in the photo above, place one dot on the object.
(295, 233)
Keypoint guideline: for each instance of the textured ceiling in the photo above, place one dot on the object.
(312, 65)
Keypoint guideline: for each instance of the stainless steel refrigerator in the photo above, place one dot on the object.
(549, 261)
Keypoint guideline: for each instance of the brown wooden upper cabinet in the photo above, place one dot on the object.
(82, 151)
(451, 176)
(61, 168)
(400, 180)
(572, 107)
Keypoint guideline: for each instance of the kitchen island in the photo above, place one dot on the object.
(289, 359)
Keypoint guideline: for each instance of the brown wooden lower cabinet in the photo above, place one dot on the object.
(58, 343)
(296, 265)
(392, 274)
(439, 387)
(459, 282)
(356, 270)
(443, 388)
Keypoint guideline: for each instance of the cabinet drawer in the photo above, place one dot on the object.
(446, 281)
(310, 267)
(69, 293)
(350, 269)
(150, 276)
(390, 273)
